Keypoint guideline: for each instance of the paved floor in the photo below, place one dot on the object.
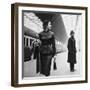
(62, 67)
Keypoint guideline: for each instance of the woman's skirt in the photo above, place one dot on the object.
(45, 64)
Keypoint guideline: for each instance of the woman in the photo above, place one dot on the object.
(47, 48)
(72, 51)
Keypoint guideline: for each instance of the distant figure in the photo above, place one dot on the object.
(36, 52)
(71, 51)
(47, 48)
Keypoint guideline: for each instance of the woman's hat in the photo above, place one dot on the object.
(72, 32)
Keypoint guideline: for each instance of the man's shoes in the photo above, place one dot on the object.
(73, 70)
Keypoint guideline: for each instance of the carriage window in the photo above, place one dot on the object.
(31, 41)
(24, 41)
(27, 42)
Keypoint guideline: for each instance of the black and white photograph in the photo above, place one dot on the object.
(51, 44)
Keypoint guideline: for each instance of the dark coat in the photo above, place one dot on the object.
(47, 51)
(36, 47)
(71, 50)
(47, 43)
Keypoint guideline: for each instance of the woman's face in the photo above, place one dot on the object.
(49, 25)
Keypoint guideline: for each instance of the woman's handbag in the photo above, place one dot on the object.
(54, 64)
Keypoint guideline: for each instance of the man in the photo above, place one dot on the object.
(71, 51)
